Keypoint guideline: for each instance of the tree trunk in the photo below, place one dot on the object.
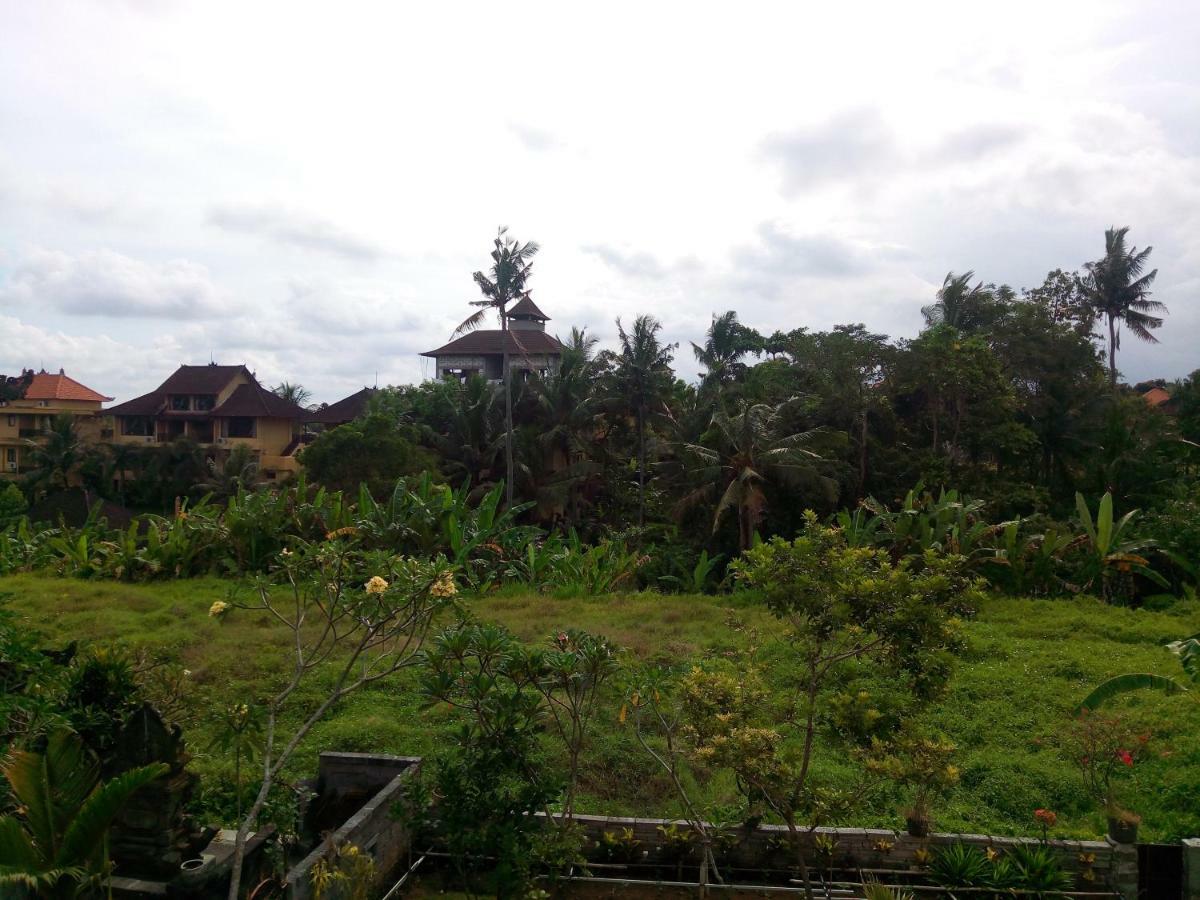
(641, 435)
(508, 423)
(862, 456)
(1112, 350)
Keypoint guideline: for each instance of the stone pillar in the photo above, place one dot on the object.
(1124, 869)
(1191, 868)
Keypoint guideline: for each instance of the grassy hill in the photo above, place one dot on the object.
(1028, 663)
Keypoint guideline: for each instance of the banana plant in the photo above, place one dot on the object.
(55, 848)
(1109, 556)
(1188, 653)
(1027, 565)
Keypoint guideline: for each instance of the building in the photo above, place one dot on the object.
(345, 410)
(220, 408)
(34, 400)
(529, 348)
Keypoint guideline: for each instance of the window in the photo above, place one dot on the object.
(179, 403)
(240, 427)
(204, 402)
(12, 421)
(11, 454)
(137, 426)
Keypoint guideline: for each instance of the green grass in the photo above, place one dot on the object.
(1028, 663)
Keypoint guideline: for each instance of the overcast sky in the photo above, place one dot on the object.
(307, 188)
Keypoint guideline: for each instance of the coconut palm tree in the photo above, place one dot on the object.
(960, 305)
(1117, 289)
(473, 434)
(642, 379)
(57, 454)
(746, 451)
(293, 393)
(567, 407)
(55, 846)
(726, 343)
(512, 265)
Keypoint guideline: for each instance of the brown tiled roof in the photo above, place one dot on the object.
(345, 410)
(145, 405)
(1156, 396)
(210, 379)
(246, 400)
(255, 400)
(527, 308)
(60, 387)
(518, 342)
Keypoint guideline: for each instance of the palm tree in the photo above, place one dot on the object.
(472, 437)
(56, 847)
(512, 265)
(125, 458)
(566, 411)
(57, 454)
(960, 305)
(228, 477)
(643, 376)
(728, 340)
(293, 393)
(1116, 289)
(750, 449)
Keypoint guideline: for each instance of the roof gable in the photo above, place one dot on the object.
(254, 400)
(210, 379)
(345, 410)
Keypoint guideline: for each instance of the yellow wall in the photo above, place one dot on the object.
(29, 415)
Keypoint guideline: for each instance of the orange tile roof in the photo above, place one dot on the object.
(1156, 396)
(60, 387)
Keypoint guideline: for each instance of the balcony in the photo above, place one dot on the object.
(31, 433)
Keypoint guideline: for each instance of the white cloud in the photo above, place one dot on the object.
(293, 229)
(341, 207)
(105, 283)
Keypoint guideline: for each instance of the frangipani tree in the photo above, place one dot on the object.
(352, 616)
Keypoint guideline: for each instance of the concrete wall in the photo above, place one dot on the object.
(374, 828)
(1114, 865)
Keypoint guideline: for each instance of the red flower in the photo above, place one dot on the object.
(1046, 816)
(1125, 756)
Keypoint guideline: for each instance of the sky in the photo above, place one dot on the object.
(307, 187)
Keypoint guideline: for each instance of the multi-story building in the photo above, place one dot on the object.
(525, 342)
(39, 397)
(220, 408)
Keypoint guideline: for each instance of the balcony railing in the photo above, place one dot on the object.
(31, 432)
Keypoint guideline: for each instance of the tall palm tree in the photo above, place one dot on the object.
(643, 378)
(293, 393)
(960, 305)
(727, 341)
(566, 410)
(1116, 289)
(512, 265)
(57, 455)
(750, 449)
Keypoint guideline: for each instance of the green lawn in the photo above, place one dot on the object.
(1028, 662)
